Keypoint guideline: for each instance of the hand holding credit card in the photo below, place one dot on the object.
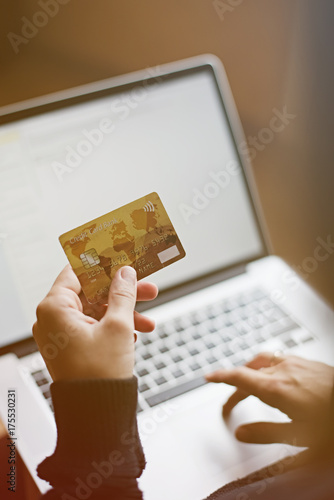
(139, 234)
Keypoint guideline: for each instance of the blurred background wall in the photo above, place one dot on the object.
(276, 53)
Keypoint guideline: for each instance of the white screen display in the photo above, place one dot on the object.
(62, 168)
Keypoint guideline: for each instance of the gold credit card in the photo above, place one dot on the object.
(139, 234)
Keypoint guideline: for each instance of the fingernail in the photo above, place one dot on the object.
(129, 274)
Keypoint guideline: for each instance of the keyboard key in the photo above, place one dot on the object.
(211, 359)
(225, 307)
(139, 408)
(276, 329)
(196, 335)
(42, 381)
(160, 380)
(290, 343)
(257, 320)
(195, 320)
(146, 340)
(163, 349)
(242, 328)
(209, 344)
(227, 352)
(308, 339)
(144, 387)
(209, 313)
(265, 304)
(180, 342)
(287, 321)
(176, 358)
(271, 316)
(47, 394)
(241, 300)
(212, 329)
(257, 294)
(193, 351)
(146, 355)
(142, 372)
(178, 373)
(160, 365)
(176, 391)
(195, 366)
(162, 334)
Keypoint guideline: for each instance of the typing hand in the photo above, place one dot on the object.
(78, 340)
(296, 386)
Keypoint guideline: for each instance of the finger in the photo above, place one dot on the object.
(96, 311)
(68, 279)
(244, 378)
(233, 400)
(146, 291)
(261, 360)
(295, 433)
(143, 323)
(122, 294)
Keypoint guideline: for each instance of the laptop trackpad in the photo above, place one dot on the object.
(191, 452)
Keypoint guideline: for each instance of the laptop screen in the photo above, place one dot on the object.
(60, 168)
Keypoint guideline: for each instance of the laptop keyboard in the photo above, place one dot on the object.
(173, 359)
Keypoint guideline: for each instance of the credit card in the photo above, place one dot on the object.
(139, 234)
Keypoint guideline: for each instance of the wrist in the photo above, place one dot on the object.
(120, 368)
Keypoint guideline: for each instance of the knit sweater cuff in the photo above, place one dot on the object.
(96, 421)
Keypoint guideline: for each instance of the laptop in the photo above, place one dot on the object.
(72, 156)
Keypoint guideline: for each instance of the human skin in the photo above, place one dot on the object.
(299, 387)
(99, 341)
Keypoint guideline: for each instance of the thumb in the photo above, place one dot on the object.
(294, 433)
(122, 293)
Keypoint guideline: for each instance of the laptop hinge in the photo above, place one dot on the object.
(20, 348)
(192, 286)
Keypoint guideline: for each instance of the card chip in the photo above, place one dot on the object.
(168, 254)
(90, 258)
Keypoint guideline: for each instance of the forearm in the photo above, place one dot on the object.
(98, 452)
